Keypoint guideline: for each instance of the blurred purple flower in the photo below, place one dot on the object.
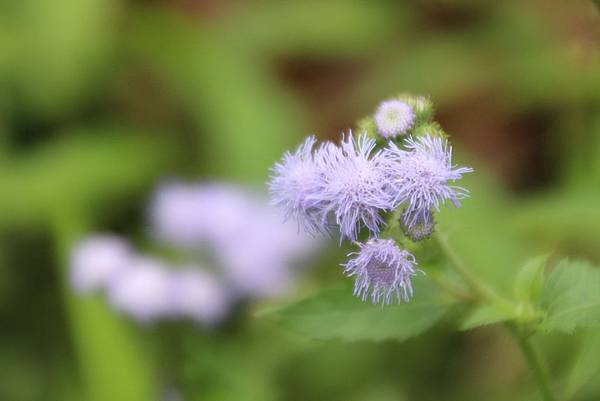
(95, 260)
(244, 234)
(422, 174)
(382, 271)
(393, 117)
(190, 215)
(197, 295)
(356, 185)
(261, 260)
(142, 291)
(296, 187)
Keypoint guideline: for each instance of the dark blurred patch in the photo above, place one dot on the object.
(515, 146)
(33, 315)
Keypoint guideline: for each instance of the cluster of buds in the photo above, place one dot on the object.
(400, 161)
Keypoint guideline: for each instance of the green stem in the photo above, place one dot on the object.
(451, 288)
(478, 288)
(122, 371)
(533, 361)
(487, 294)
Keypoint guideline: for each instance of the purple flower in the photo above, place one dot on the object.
(382, 271)
(95, 260)
(237, 228)
(197, 295)
(262, 261)
(296, 186)
(393, 117)
(423, 174)
(356, 185)
(190, 215)
(142, 291)
(176, 215)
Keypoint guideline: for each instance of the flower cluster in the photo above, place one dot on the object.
(353, 185)
(143, 287)
(234, 245)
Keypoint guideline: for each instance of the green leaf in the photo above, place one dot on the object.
(529, 282)
(587, 364)
(336, 313)
(571, 297)
(64, 48)
(85, 167)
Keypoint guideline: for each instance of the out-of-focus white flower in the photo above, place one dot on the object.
(191, 215)
(263, 259)
(197, 295)
(96, 259)
(245, 234)
(143, 291)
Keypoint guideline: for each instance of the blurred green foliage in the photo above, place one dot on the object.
(101, 99)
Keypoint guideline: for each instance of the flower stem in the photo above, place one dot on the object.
(451, 288)
(533, 361)
(478, 288)
(487, 294)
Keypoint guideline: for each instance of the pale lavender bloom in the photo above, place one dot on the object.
(243, 233)
(143, 291)
(382, 271)
(393, 117)
(262, 261)
(95, 260)
(176, 215)
(191, 215)
(296, 186)
(422, 176)
(226, 208)
(356, 185)
(198, 295)
(253, 273)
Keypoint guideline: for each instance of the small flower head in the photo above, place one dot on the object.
(95, 260)
(295, 187)
(142, 291)
(356, 185)
(190, 214)
(197, 295)
(417, 224)
(393, 117)
(382, 271)
(423, 174)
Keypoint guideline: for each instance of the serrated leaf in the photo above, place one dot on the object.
(485, 315)
(336, 313)
(571, 297)
(529, 282)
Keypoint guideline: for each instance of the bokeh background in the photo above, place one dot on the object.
(100, 100)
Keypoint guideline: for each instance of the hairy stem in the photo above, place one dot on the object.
(533, 361)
